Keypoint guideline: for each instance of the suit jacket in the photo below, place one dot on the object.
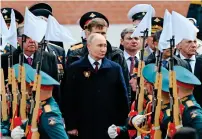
(49, 64)
(177, 61)
(198, 74)
(94, 101)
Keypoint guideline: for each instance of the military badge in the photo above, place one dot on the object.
(86, 74)
(193, 114)
(157, 20)
(4, 11)
(92, 15)
(51, 121)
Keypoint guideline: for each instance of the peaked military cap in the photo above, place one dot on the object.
(89, 16)
(157, 24)
(138, 11)
(6, 13)
(28, 70)
(149, 73)
(41, 9)
(185, 76)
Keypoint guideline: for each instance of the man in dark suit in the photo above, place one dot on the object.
(99, 25)
(31, 57)
(188, 52)
(166, 55)
(95, 93)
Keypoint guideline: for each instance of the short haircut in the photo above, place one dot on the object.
(96, 22)
(126, 31)
(91, 37)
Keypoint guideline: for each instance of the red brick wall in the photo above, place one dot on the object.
(69, 12)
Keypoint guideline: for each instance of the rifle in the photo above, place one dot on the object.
(175, 117)
(4, 107)
(140, 80)
(156, 102)
(22, 85)
(34, 134)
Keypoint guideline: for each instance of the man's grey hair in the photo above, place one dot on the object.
(91, 37)
(126, 31)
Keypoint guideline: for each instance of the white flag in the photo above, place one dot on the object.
(182, 28)
(144, 24)
(11, 36)
(3, 32)
(57, 32)
(166, 34)
(34, 27)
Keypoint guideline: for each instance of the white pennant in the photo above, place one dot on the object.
(57, 32)
(166, 34)
(144, 24)
(34, 27)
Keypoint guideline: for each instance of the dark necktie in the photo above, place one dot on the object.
(96, 66)
(164, 63)
(29, 59)
(188, 61)
(132, 64)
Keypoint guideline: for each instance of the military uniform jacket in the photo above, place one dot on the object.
(94, 101)
(192, 115)
(113, 54)
(51, 125)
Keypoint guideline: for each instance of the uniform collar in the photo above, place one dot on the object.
(32, 56)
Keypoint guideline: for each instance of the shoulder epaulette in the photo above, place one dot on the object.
(76, 46)
(189, 103)
(47, 108)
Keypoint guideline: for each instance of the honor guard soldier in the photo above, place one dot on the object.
(43, 10)
(192, 115)
(6, 13)
(50, 123)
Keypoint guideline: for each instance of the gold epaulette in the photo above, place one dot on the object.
(196, 2)
(189, 103)
(47, 108)
(76, 46)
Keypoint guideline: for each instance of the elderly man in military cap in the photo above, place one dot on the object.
(6, 13)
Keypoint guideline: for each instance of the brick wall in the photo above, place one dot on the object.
(69, 12)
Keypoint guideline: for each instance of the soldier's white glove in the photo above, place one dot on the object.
(138, 120)
(17, 133)
(112, 132)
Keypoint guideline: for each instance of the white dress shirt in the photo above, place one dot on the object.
(91, 60)
(127, 58)
(32, 56)
(192, 62)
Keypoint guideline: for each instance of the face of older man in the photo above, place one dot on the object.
(97, 47)
(30, 46)
(188, 48)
